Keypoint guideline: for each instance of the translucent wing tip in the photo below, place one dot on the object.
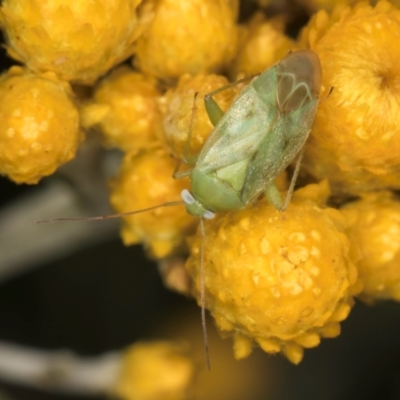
(306, 66)
(298, 80)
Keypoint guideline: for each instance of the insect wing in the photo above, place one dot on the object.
(277, 150)
(243, 127)
(297, 88)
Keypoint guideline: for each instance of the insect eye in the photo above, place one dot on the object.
(208, 215)
(187, 197)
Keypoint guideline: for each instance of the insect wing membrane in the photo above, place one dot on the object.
(297, 87)
(298, 80)
(278, 150)
(242, 128)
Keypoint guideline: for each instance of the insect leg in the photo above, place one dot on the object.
(181, 174)
(186, 159)
(293, 181)
(273, 195)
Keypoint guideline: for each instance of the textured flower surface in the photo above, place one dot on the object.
(39, 128)
(374, 230)
(72, 38)
(124, 107)
(145, 180)
(262, 43)
(355, 141)
(272, 278)
(193, 37)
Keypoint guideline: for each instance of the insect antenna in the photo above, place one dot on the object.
(110, 216)
(203, 294)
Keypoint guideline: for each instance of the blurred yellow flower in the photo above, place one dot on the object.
(155, 371)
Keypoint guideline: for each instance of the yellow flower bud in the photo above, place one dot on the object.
(262, 44)
(198, 36)
(145, 180)
(39, 128)
(280, 279)
(124, 107)
(374, 230)
(78, 40)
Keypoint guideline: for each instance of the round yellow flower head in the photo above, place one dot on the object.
(355, 141)
(78, 40)
(124, 106)
(145, 180)
(179, 107)
(39, 128)
(280, 279)
(374, 229)
(198, 36)
(262, 44)
(155, 371)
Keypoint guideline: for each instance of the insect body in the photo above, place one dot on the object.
(257, 138)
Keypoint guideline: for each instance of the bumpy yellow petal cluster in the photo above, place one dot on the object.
(194, 37)
(374, 230)
(355, 141)
(179, 105)
(39, 128)
(124, 106)
(262, 44)
(79, 40)
(155, 371)
(145, 180)
(280, 279)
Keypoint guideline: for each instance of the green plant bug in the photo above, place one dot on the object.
(251, 144)
(257, 138)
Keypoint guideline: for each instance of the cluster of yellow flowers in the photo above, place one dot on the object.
(282, 280)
